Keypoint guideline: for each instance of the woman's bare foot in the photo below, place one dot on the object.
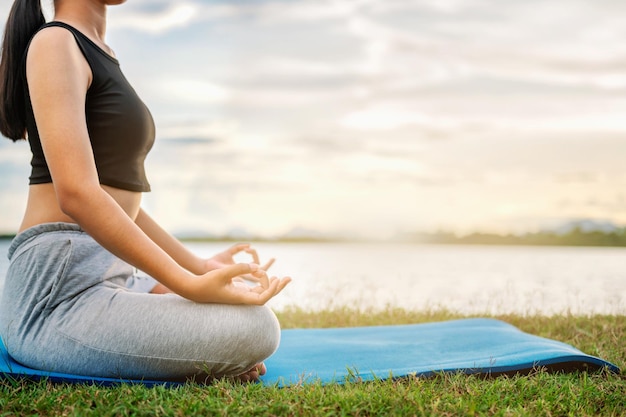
(253, 374)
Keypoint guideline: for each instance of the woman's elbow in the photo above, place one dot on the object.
(74, 200)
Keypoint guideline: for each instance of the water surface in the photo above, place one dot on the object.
(468, 279)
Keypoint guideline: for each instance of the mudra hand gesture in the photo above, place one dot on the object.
(226, 257)
(224, 281)
(225, 285)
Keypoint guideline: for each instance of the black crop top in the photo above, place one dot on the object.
(120, 126)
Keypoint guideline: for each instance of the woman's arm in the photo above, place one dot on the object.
(186, 258)
(172, 246)
(58, 79)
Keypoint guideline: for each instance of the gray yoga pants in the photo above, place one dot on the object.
(66, 307)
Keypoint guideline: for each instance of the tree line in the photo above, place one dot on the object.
(575, 237)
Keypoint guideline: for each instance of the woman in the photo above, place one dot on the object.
(66, 305)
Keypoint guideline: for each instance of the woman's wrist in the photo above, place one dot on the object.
(184, 283)
(199, 265)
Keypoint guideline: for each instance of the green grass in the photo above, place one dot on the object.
(539, 394)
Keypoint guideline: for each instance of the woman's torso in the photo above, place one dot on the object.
(120, 163)
(42, 205)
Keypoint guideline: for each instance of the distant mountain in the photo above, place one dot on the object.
(194, 234)
(586, 226)
(583, 232)
(303, 233)
(239, 233)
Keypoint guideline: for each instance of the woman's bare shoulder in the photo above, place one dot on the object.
(53, 50)
(55, 44)
(53, 37)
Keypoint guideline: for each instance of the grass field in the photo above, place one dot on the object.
(538, 394)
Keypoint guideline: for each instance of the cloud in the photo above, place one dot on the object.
(5, 7)
(383, 118)
(467, 113)
(200, 129)
(192, 91)
(163, 17)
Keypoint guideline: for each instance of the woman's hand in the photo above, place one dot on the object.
(226, 257)
(225, 286)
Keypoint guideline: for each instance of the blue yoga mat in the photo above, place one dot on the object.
(337, 355)
(484, 346)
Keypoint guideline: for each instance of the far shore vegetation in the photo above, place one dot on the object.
(574, 237)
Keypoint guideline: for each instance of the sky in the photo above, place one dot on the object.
(372, 117)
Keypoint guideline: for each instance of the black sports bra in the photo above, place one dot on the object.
(120, 126)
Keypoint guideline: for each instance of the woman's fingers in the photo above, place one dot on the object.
(261, 297)
(246, 247)
(265, 267)
(255, 256)
(235, 249)
(261, 275)
(252, 252)
(250, 271)
(268, 264)
(282, 284)
(234, 291)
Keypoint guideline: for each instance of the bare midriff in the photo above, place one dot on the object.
(42, 205)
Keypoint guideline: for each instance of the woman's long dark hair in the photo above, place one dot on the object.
(25, 18)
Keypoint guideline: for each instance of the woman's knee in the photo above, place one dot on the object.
(267, 336)
(258, 341)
